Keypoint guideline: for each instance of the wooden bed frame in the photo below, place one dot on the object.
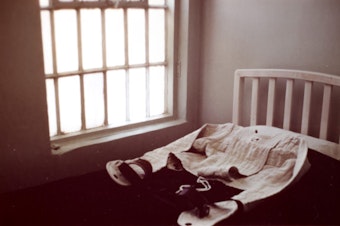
(265, 83)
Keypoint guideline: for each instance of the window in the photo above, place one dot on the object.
(106, 63)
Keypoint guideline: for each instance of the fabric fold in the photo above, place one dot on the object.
(260, 160)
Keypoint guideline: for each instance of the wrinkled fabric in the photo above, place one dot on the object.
(260, 160)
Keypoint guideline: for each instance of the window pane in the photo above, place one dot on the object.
(156, 2)
(91, 35)
(94, 100)
(116, 96)
(157, 90)
(115, 51)
(47, 43)
(52, 118)
(137, 93)
(44, 3)
(136, 33)
(66, 40)
(69, 98)
(156, 35)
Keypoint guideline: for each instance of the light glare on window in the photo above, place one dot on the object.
(156, 2)
(116, 95)
(47, 41)
(94, 100)
(52, 117)
(136, 34)
(115, 51)
(137, 94)
(156, 35)
(91, 38)
(69, 100)
(157, 84)
(44, 3)
(66, 40)
(112, 72)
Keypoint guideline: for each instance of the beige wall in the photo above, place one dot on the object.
(25, 156)
(23, 117)
(288, 34)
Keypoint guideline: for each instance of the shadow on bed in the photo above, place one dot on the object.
(94, 199)
(91, 199)
(314, 200)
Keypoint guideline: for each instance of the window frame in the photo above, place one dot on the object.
(65, 142)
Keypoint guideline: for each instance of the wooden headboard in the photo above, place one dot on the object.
(285, 99)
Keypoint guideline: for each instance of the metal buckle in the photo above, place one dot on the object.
(201, 180)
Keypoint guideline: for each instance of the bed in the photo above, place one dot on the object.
(259, 153)
(299, 105)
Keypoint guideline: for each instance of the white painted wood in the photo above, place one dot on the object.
(306, 107)
(320, 144)
(325, 111)
(288, 104)
(237, 98)
(271, 101)
(254, 101)
(290, 74)
(104, 56)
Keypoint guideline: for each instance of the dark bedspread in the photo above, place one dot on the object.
(94, 199)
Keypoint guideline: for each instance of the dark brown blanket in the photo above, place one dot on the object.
(94, 199)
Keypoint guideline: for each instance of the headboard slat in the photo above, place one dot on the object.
(306, 107)
(254, 101)
(238, 97)
(271, 101)
(325, 111)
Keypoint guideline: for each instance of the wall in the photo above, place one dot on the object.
(25, 155)
(286, 34)
(23, 118)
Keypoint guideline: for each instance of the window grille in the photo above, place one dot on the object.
(105, 61)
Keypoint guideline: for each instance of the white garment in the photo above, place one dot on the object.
(265, 159)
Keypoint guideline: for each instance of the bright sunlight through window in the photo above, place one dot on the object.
(105, 62)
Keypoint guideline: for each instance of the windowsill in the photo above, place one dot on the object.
(62, 146)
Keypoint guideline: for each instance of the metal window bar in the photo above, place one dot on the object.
(102, 70)
(56, 79)
(106, 113)
(80, 64)
(147, 69)
(166, 46)
(127, 74)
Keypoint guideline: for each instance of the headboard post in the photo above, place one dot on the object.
(271, 101)
(237, 98)
(306, 107)
(254, 101)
